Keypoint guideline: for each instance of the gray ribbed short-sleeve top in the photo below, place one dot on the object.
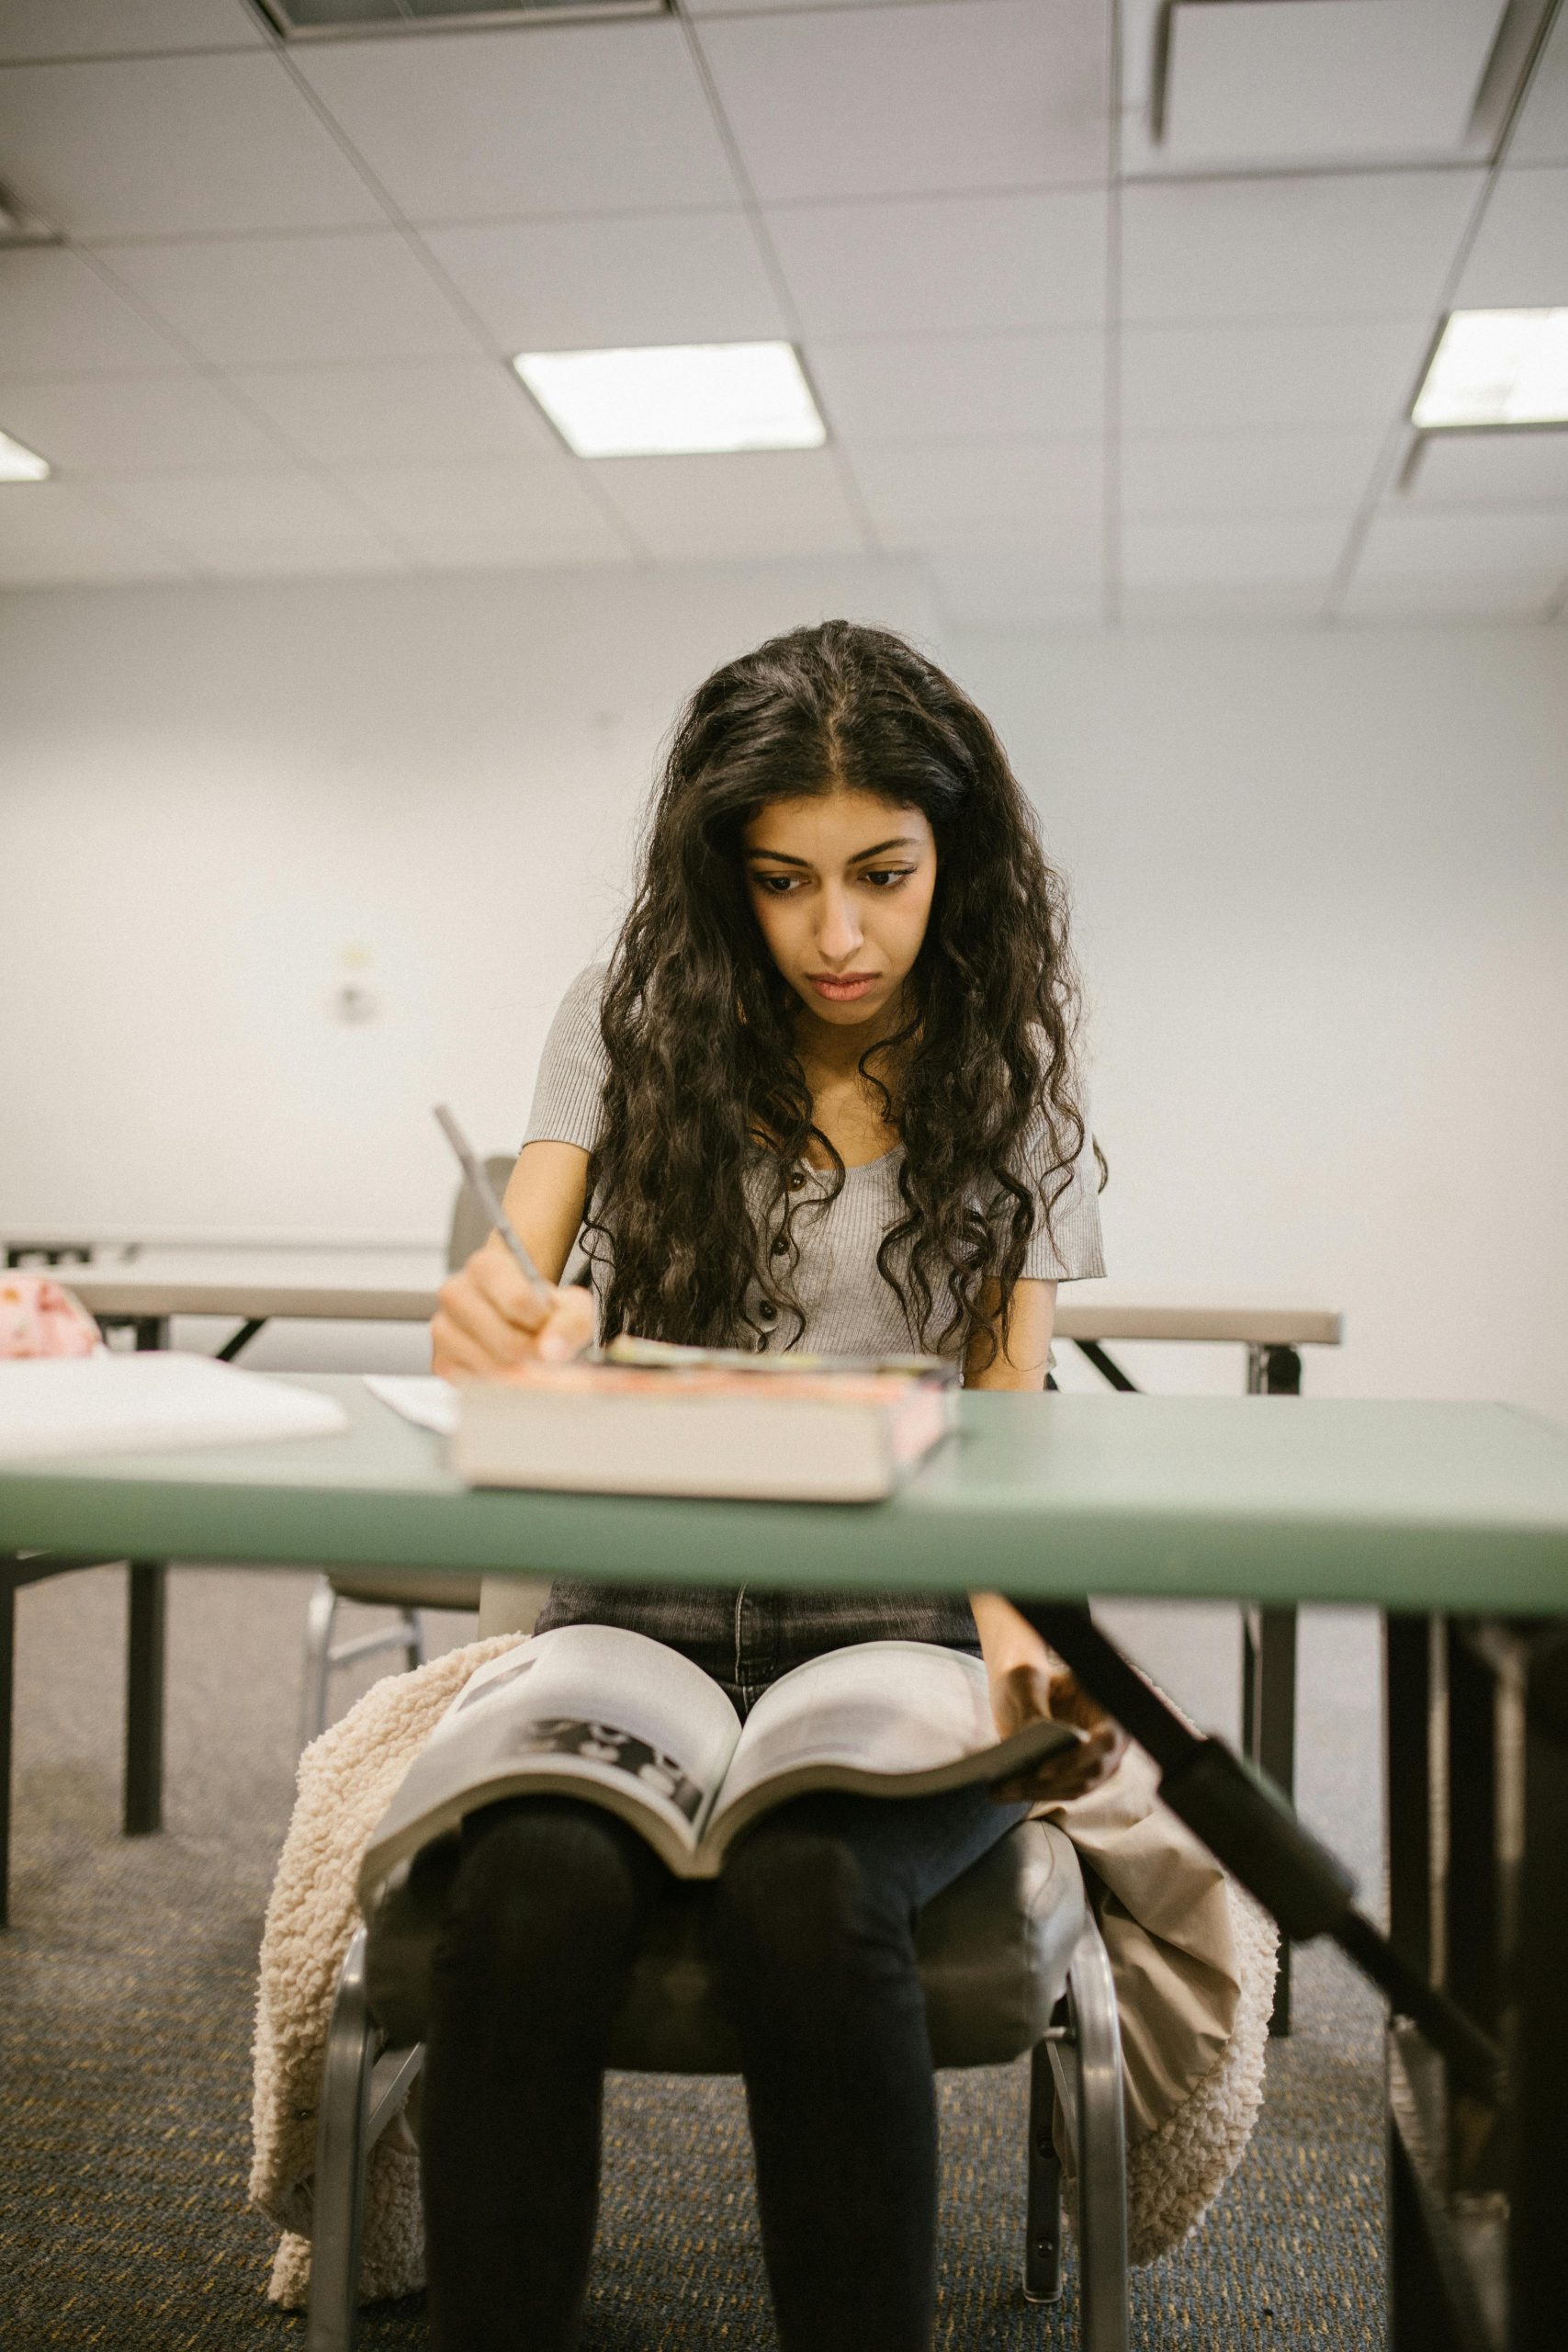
(850, 1308)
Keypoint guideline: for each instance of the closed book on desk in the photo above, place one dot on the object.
(701, 1425)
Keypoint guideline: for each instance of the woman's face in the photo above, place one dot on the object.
(841, 886)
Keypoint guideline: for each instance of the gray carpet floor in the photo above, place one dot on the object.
(126, 1986)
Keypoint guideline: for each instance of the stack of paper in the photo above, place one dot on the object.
(113, 1404)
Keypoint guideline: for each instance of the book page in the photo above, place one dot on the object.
(882, 1707)
(584, 1705)
(421, 1398)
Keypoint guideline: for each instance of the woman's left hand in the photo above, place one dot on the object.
(1029, 1683)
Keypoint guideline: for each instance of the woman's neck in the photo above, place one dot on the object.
(847, 1107)
(831, 1052)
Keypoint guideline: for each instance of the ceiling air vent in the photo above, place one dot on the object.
(337, 19)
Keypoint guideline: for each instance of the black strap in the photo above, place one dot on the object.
(1248, 1826)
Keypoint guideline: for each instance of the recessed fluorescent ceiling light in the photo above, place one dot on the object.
(17, 464)
(1496, 368)
(675, 400)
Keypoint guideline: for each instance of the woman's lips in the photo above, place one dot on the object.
(844, 989)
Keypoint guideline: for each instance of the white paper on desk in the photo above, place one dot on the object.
(421, 1398)
(125, 1404)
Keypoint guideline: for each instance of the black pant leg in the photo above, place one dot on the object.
(547, 1910)
(813, 1934)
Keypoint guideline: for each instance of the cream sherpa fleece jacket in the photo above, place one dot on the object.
(1192, 1958)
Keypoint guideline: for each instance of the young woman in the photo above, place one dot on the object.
(822, 1096)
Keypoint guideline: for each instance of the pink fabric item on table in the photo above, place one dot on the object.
(39, 1317)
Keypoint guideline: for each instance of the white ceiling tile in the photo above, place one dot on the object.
(1000, 592)
(1540, 130)
(45, 521)
(953, 266)
(572, 285)
(512, 551)
(339, 555)
(97, 424)
(780, 8)
(762, 506)
(1249, 473)
(1265, 603)
(175, 146)
(542, 504)
(1230, 553)
(433, 408)
(1513, 468)
(1519, 258)
(1375, 244)
(528, 119)
(287, 300)
(963, 387)
(58, 317)
(1404, 541)
(1443, 596)
(32, 29)
(1039, 498)
(102, 564)
(201, 511)
(979, 93)
(1197, 379)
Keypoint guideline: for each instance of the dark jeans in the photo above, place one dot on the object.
(810, 1928)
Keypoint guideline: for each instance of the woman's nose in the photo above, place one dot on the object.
(839, 931)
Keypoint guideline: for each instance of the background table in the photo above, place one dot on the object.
(1453, 1518)
(144, 1289)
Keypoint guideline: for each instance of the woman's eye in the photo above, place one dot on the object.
(776, 885)
(887, 877)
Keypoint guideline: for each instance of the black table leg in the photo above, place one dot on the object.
(1478, 1885)
(144, 1698)
(1268, 1660)
(1538, 2149)
(8, 1685)
(143, 1796)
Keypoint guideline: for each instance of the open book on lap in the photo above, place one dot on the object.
(618, 1720)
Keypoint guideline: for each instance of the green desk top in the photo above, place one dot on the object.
(1441, 1506)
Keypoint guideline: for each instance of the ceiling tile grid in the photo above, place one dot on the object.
(542, 120)
(630, 278)
(274, 332)
(35, 29)
(175, 146)
(969, 96)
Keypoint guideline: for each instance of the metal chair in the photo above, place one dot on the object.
(1011, 1963)
(405, 1589)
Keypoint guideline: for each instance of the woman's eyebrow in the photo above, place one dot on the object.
(899, 841)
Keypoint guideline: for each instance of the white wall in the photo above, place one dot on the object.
(1322, 883)
(206, 794)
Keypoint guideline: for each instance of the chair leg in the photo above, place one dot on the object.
(414, 1646)
(1101, 2146)
(341, 2138)
(317, 1660)
(1043, 2222)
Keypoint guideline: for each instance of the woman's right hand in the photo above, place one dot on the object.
(490, 1317)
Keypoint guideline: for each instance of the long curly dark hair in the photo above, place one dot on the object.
(705, 1088)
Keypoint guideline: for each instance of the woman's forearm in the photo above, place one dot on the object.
(1007, 1638)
